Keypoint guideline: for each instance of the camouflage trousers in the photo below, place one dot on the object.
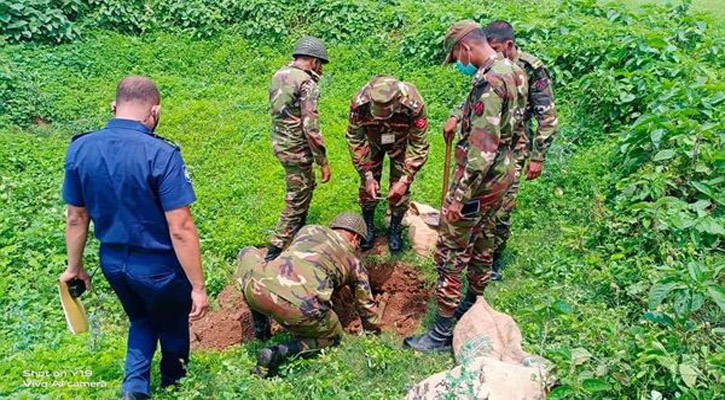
(397, 170)
(501, 229)
(468, 243)
(316, 327)
(300, 181)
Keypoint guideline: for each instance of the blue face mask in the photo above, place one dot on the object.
(468, 69)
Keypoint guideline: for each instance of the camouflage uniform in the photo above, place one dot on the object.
(483, 174)
(541, 105)
(297, 143)
(295, 288)
(401, 135)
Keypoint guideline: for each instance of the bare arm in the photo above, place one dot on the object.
(76, 234)
(185, 240)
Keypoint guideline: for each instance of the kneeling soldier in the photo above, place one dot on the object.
(387, 116)
(295, 289)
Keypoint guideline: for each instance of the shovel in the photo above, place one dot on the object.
(432, 221)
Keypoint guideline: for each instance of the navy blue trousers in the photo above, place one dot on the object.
(156, 296)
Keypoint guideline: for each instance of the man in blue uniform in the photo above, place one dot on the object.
(135, 188)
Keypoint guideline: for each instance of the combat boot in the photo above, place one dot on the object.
(496, 266)
(272, 253)
(439, 338)
(466, 303)
(369, 217)
(262, 326)
(395, 243)
(270, 358)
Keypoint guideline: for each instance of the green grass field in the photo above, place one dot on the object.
(613, 220)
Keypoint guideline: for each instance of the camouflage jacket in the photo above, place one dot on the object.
(540, 104)
(408, 125)
(318, 262)
(296, 136)
(492, 110)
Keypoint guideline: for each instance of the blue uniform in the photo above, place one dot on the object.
(127, 177)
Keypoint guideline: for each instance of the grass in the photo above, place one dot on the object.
(563, 286)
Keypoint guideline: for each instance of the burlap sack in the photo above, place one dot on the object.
(483, 331)
(483, 378)
(422, 221)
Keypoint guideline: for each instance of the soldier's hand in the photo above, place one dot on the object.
(397, 192)
(534, 170)
(453, 211)
(80, 273)
(449, 129)
(372, 187)
(199, 304)
(326, 174)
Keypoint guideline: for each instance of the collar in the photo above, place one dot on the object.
(311, 73)
(121, 123)
(486, 66)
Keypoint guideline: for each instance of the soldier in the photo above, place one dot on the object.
(295, 288)
(530, 144)
(134, 186)
(484, 171)
(387, 116)
(296, 137)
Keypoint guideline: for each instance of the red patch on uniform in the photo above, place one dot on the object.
(542, 84)
(478, 108)
(421, 123)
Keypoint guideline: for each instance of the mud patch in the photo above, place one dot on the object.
(231, 322)
(406, 305)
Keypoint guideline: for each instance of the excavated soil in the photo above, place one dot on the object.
(231, 322)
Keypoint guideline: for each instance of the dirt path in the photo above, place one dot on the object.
(231, 322)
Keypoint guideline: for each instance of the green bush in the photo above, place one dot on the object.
(39, 20)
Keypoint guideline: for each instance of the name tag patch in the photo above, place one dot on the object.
(387, 138)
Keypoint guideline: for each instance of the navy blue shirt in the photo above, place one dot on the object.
(127, 177)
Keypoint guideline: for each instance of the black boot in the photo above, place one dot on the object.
(466, 303)
(262, 326)
(395, 243)
(269, 358)
(496, 267)
(369, 217)
(272, 252)
(439, 338)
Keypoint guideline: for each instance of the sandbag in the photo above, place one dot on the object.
(483, 378)
(422, 221)
(483, 331)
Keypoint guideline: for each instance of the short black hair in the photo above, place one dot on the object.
(499, 31)
(139, 89)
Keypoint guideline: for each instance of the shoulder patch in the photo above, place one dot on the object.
(80, 135)
(410, 98)
(167, 141)
(531, 60)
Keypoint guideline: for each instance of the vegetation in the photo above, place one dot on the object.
(615, 268)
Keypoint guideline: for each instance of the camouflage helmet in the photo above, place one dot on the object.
(312, 47)
(383, 92)
(350, 221)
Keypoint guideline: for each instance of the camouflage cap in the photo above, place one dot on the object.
(454, 35)
(383, 92)
(350, 221)
(312, 47)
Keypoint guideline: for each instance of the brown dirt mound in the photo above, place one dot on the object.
(231, 322)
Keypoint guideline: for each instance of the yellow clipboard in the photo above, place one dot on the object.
(75, 313)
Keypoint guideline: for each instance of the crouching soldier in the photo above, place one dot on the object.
(387, 116)
(295, 288)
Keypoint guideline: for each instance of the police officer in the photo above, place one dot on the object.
(135, 188)
(295, 289)
(387, 116)
(296, 137)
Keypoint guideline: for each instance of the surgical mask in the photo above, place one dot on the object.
(467, 69)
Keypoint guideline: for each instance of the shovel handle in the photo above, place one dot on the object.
(446, 170)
